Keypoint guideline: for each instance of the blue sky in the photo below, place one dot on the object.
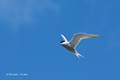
(31, 29)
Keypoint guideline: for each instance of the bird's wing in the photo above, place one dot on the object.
(64, 38)
(77, 37)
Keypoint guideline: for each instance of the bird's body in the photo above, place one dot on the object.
(71, 45)
(68, 47)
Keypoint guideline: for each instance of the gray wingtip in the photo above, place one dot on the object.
(100, 36)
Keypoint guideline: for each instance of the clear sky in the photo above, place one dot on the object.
(31, 29)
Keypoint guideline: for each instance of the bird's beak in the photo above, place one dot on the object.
(58, 43)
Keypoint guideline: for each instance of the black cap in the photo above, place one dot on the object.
(62, 41)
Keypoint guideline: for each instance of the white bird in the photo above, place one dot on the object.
(71, 45)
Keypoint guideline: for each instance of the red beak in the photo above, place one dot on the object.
(58, 43)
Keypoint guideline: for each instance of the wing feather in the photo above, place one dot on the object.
(64, 38)
(78, 37)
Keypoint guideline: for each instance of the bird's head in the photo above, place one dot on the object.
(61, 42)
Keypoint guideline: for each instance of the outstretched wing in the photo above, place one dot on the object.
(77, 37)
(64, 38)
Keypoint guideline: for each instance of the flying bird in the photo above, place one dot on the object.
(71, 45)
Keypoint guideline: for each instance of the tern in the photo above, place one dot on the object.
(71, 45)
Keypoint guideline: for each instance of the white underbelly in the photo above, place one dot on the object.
(69, 48)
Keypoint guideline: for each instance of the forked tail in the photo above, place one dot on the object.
(77, 54)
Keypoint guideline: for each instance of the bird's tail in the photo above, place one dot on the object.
(77, 54)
